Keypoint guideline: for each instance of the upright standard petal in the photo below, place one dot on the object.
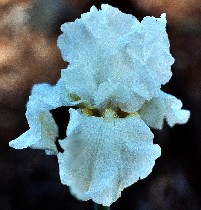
(104, 155)
(156, 48)
(164, 107)
(109, 49)
(78, 85)
(91, 31)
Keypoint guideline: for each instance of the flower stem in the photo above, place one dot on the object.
(100, 207)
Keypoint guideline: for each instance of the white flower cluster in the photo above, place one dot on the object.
(117, 67)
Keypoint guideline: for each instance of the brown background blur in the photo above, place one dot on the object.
(28, 54)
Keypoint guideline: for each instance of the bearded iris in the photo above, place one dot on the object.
(117, 66)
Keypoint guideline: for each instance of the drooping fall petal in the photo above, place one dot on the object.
(43, 130)
(104, 155)
(164, 107)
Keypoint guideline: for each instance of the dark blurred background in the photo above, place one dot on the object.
(29, 179)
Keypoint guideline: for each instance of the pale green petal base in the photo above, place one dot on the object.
(100, 207)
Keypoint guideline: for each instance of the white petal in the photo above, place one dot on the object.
(43, 97)
(82, 39)
(41, 135)
(104, 155)
(165, 106)
(43, 129)
(156, 48)
(79, 83)
(115, 59)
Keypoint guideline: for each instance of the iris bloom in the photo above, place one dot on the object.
(117, 67)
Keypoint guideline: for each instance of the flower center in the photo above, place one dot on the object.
(107, 113)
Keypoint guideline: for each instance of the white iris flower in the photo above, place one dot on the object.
(117, 67)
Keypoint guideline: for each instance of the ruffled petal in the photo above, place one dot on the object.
(115, 59)
(156, 48)
(41, 135)
(78, 88)
(46, 97)
(43, 129)
(104, 155)
(164, 107)
(81, 40)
